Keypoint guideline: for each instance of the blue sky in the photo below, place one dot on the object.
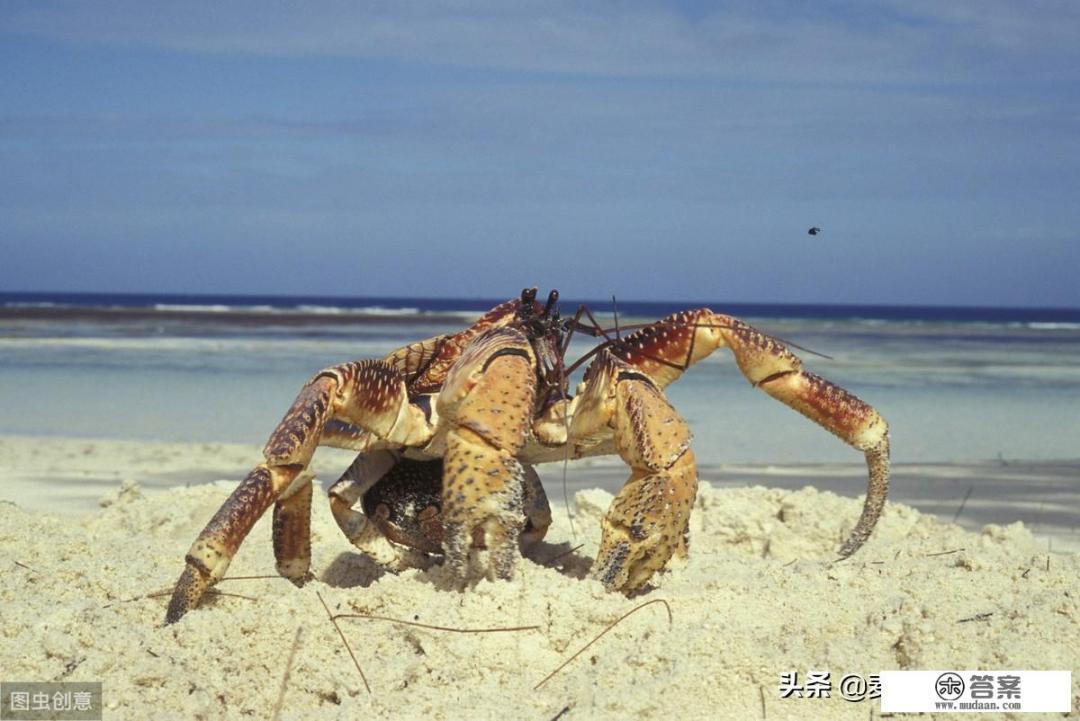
(674, 151)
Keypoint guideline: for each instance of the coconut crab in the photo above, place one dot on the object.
(448, 429)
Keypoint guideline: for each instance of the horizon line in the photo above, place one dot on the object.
(592, 302)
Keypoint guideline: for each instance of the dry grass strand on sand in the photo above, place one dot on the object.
(613, 624)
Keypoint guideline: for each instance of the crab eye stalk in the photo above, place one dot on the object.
(552, 299)
(528, 296)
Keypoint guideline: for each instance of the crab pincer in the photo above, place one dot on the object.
(487, 403)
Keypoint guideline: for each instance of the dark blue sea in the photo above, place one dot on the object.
(314, 305)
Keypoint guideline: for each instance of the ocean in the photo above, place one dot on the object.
(955, 383)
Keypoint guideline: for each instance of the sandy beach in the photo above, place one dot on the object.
(91, 529)
(797, 254)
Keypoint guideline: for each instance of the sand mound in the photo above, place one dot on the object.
(759, 596)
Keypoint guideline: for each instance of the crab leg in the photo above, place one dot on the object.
(770, 366)
(537, 509)
(292, 530)
(212, 551)
(365, 472)
(665, 349)
(369, 394)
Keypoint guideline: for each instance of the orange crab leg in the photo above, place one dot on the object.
(368, 394)
(770, 366)
(665, 349)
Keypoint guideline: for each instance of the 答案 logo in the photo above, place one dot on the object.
(949, 686)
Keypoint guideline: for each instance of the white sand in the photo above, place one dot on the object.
(759, 596)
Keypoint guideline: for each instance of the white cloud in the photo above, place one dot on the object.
(888, 41)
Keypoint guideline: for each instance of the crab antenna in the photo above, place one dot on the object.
(595, 325)
(570, 326)
(566, 453)
(577, 364)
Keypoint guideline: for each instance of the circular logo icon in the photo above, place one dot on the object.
(949, 686)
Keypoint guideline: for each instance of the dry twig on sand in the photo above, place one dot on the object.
(600, 635)
(168, 592)
(944, 553)
(372, 617)
(451, 629)
(288, 672)
(565, 710)
(344, 641)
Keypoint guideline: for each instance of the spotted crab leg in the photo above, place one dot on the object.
(368, 394)
(661, 352)
(770, 366)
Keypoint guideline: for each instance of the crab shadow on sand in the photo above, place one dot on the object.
(352, 569)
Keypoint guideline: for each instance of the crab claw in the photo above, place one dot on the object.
(646, 525)
(648, 520)
(483, 507)
(487, 401)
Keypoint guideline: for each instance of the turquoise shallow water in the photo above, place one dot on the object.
(950, 390)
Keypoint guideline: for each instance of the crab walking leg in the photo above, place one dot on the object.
(770, 366)
(292, 530)
(537, 510)
(665, 349)
(488, 399)
(365, 472)
(213, 550)
(369, 394)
